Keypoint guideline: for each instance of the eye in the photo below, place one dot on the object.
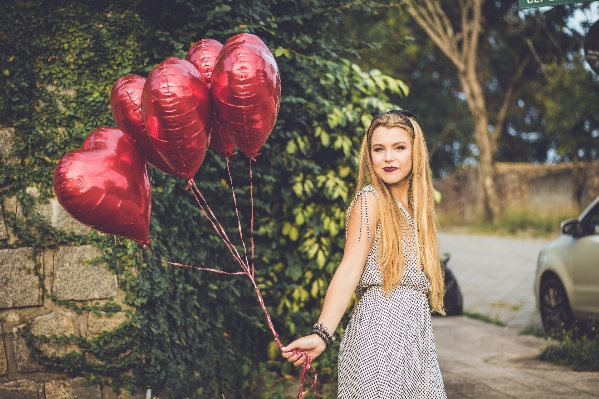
(377, 149)
(400, 147)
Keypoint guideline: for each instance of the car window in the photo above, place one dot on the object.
(591, 224)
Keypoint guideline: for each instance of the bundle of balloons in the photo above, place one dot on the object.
(218, 96)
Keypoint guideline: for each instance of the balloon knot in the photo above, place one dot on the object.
(189, 184)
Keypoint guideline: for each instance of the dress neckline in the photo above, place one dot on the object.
(403, 208)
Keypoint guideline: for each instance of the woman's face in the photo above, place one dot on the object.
(391, 152)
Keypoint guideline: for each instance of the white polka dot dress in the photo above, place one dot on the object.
(388, 349)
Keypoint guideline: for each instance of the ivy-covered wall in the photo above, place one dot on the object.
(99, 308)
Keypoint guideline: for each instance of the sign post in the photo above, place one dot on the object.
(547, 3)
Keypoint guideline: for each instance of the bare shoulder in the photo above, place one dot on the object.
(362, 216)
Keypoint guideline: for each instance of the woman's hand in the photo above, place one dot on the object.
(313, 345)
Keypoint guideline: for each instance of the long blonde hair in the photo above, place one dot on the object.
(392, 220)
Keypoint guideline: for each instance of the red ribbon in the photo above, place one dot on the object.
(249, 272)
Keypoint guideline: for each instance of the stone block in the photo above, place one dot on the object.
(77, 279)
(11, 204)
(55, 214)
(109, 393)
(71, 389)
(52, 211)
(63, 221)
(3, 230)
(20, 389)
(19, 286)
(56, 323)
(97, 324)
(3, 364)
(6, 139)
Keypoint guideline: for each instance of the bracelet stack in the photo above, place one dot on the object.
(323, 332)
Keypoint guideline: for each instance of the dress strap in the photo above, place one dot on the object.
(364, 214)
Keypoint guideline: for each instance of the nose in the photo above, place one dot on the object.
(389, 155)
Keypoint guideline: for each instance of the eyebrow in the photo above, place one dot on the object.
(399, 142)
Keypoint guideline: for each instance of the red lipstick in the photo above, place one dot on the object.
(389, 168)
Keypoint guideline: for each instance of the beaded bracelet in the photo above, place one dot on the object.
(323, 332)
(323, 336)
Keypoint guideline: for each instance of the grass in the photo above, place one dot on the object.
(534, 330)
(506, 305)
(484, 318)
(577, 347)
(514, 221)
(582, 354)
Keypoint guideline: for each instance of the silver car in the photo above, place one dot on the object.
(567, 277)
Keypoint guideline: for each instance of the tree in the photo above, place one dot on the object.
(461, 47)
(478, 59)
(569, 101)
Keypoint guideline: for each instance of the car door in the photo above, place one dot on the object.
(585, 264)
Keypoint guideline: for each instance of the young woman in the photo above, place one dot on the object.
(391, 261)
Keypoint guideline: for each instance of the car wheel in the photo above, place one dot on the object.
(555, 308)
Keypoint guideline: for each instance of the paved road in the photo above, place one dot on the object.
(480, 360)
(496, 275)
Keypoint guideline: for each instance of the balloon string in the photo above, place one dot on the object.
(206, 269)
(237, 211)
(252, 219)
(220, 231)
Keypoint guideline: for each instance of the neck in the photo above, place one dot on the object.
(400, 190)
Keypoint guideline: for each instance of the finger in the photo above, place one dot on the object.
(293, 358)
(300, 361)
(287, 355)
(290, 347)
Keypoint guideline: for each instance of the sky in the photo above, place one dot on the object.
(580, 17)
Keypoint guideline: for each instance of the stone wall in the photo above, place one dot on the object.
(67, 273)
(539, 187)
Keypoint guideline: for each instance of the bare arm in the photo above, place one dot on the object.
(346, 278)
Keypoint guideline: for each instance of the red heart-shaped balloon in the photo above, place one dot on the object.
(246, 91)
(242, 38)
(125, 102)
(105, 185)
(219, 140)
(178, 115)
(202, 55)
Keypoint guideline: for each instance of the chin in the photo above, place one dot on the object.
(393, 182)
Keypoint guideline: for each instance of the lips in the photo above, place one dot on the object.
(389, 168)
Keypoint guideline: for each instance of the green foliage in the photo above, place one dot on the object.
(582, 355)
(534, 330)
(110, 354)
(192, 334)
(484, 318)
(577, 347)
(568, 101)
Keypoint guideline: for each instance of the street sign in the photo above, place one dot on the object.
(547, 3)
(591, 47)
